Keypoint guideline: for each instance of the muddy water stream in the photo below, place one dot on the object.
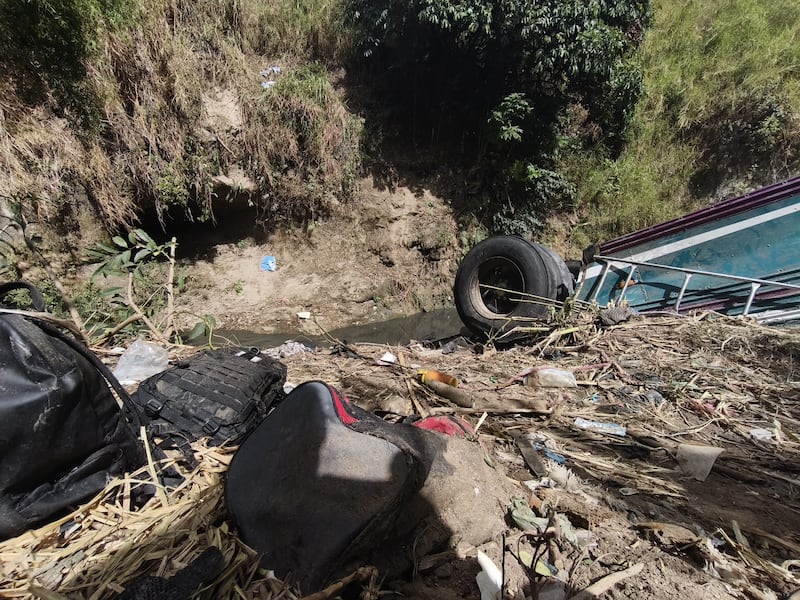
(429, 326)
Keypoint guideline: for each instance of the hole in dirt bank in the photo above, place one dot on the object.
(234, 221)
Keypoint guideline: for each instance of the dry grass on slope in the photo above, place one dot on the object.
(156, 144)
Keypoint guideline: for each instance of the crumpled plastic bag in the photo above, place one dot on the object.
(139, 361)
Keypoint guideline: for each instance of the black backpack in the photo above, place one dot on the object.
(221, 394)
(63, 435)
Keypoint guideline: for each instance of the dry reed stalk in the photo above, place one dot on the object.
(93, 552)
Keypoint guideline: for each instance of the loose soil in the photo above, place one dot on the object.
(392, 252)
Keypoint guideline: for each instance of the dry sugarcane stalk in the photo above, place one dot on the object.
(606, 583)
(359, 574)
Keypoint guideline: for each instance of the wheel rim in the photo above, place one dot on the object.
(497, 287)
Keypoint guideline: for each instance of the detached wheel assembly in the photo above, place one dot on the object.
(507, 280)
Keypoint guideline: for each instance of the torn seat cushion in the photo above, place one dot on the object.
(321, 481)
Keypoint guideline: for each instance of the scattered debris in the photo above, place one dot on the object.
(287, 349)
(696, 460)
(617, 508)
(613, 315)
(445, 386)
(268, 263)
(610, 428)
(139, 361)
(269, 74)
(490, 579)
(761, 434)
(558, 378)
(387, 359)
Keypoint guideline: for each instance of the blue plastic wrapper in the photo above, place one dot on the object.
(271, 71)
(552, 455)
(268, 263)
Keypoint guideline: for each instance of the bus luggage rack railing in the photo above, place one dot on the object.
(634, 266)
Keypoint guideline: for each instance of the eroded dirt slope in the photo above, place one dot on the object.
(393, 252)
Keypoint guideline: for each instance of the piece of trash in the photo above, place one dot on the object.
(304, 314)
(268, 263)
(626, 491)
(599, 426)
(567, 531)
(288, 387)
(446, 386)
(447, 425)
(139, 361)
(489, 580)
(427, 375)
(387, 359)
(549, 377)
(616, 314)
(595, 398)
(523, 516)
(267, 84)
(760, 434)
(251, 354)
(551, 454)
(450, 347)
(695, 460)
(531, 456)
(562, 476)
(287, 349)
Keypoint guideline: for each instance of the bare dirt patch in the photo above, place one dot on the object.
(390, 253)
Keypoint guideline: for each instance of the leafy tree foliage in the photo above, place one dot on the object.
(502, 74)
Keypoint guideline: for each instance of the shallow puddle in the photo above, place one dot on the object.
(429, 326)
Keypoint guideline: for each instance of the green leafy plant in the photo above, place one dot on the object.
(18, 226)
(715, 118)
(204, 328)
(130, 257)
(508, 119)
(496, 79)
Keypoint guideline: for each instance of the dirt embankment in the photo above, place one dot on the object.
(388, 254)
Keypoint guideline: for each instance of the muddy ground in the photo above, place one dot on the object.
(394, 251)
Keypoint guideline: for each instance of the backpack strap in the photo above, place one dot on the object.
(37, 301)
